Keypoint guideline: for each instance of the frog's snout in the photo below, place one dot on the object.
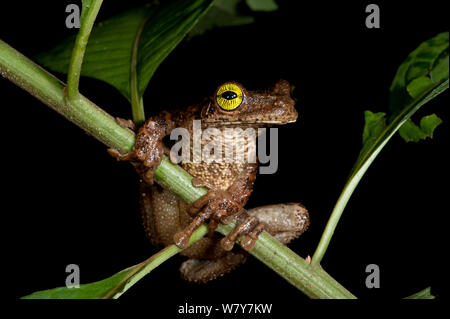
(285, 109)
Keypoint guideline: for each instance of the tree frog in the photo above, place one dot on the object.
(168, 220)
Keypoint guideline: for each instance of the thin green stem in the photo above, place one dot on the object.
(137, 103)
(364, 162)
(14, 66)
(139, 271)
(88, 16)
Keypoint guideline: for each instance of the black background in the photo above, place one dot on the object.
(67, 201)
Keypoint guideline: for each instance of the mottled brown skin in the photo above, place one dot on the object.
(168, 220)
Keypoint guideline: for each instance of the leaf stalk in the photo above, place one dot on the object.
(89, 13)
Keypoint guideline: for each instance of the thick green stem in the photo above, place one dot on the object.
(313, 281)
(88, 16)
(48, 89)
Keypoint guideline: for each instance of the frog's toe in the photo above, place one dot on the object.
(129, 124)
(121, 157)
(249, 227)
(203, 270)
(181, 239)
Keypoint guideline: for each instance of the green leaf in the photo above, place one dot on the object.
(223, 13)
(114, 286)
(419, 85)
(404, 103)
(376, 133)
(410, 132)
(262, 5)
(374, 144)
(93, 290)
(423, 69)
(375, 124)
(423, 294)
(411, 88)
(429, 123)
(156, 30)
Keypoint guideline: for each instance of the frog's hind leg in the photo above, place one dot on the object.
(159, 211)
(203, 270)
(283, 221)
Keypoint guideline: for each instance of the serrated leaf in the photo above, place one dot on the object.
(410, 132)
(156, 29)
(424, 68)
(377, 133)
(428, 60)
(262, 5)
(429, 123)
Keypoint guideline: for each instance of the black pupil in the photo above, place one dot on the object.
(229, 95)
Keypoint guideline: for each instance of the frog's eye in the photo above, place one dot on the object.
(229, 96)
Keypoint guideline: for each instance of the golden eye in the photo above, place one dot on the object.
(229, 96)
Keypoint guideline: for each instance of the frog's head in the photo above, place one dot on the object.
(232, 105)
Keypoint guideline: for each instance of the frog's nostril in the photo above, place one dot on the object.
(229, 95)
(279, 103)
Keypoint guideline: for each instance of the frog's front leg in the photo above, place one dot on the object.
(221, 206)
(129, 124)
(148, 148)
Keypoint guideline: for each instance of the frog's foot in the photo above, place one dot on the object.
(219, 206)
(247, 227)
(131, 156)
(149, 150)
(283, 221)
(129, 124)
(121, 157)
(203, 270)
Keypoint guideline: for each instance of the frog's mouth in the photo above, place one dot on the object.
(259, 123)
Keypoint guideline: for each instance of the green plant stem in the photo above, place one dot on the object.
(88, 16)
(48, 89)
(364, 163)
(139, 271)
(137, 102)
(313, 281)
